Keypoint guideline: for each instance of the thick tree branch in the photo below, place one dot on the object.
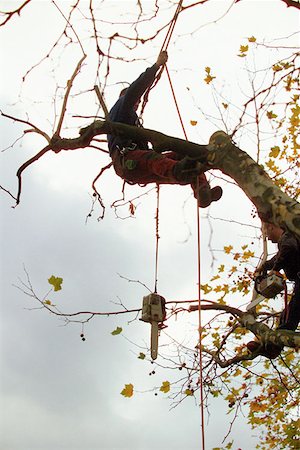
(263, 332)
(272, 204)
(292, 3)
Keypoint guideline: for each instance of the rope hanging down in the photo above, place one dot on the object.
(164, 47)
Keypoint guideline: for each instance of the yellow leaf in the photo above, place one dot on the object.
(48, 302)
(252, 39)
(165, 387)
(216, 277)
(227, 249)
(208, 79)
(205, 288)
(271, 115)
(290, 357)
(56, 282)
(274, 152)
(277, 68)
(237, 372)
(128, 390)
(188, 392)
(248, 254)
(221, 268)
(244, 48)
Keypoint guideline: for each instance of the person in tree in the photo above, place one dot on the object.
(136, 163)
(287, 259)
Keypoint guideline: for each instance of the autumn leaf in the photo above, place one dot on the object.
(243, 51)
(252, 39)
(165, 387)
(205, 288)
(277, 67)
(247, 255)
(208, 79)
(227, 249)
(132, 208)
(48, 302)
(128, 390)
(188, 392)
(117, 331)
(274, 152)
(225, 105)
(271, 115)
(56, 282)
(142, 356)
(193, 123)
(244, 48)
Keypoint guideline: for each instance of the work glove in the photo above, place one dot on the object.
(186, 170)
(162, 58)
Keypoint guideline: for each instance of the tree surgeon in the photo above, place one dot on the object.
(136, 163)
(287, 259)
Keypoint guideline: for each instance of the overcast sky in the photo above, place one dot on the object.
(57, 392)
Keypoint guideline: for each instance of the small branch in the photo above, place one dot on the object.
(26, 122)
(9, 193)
(10, 14)
(229, 362)
(25, 165)
(102, 102)
(69, 87)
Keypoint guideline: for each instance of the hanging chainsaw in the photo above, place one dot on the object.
(154, 312)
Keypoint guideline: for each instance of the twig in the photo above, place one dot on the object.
(69, 87)
(102, 102)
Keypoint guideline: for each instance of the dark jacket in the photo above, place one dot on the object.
(287, 258)
(123, 110)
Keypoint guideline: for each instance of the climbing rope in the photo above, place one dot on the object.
(200, 381)
(145, 101)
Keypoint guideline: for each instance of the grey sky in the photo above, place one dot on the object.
(57, 392)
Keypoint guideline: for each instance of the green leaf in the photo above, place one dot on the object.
(56, 282)
(117, 331)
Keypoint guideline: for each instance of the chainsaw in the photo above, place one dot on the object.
(266, 286)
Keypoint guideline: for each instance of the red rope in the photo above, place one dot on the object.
(176, 104)
(165, 46)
